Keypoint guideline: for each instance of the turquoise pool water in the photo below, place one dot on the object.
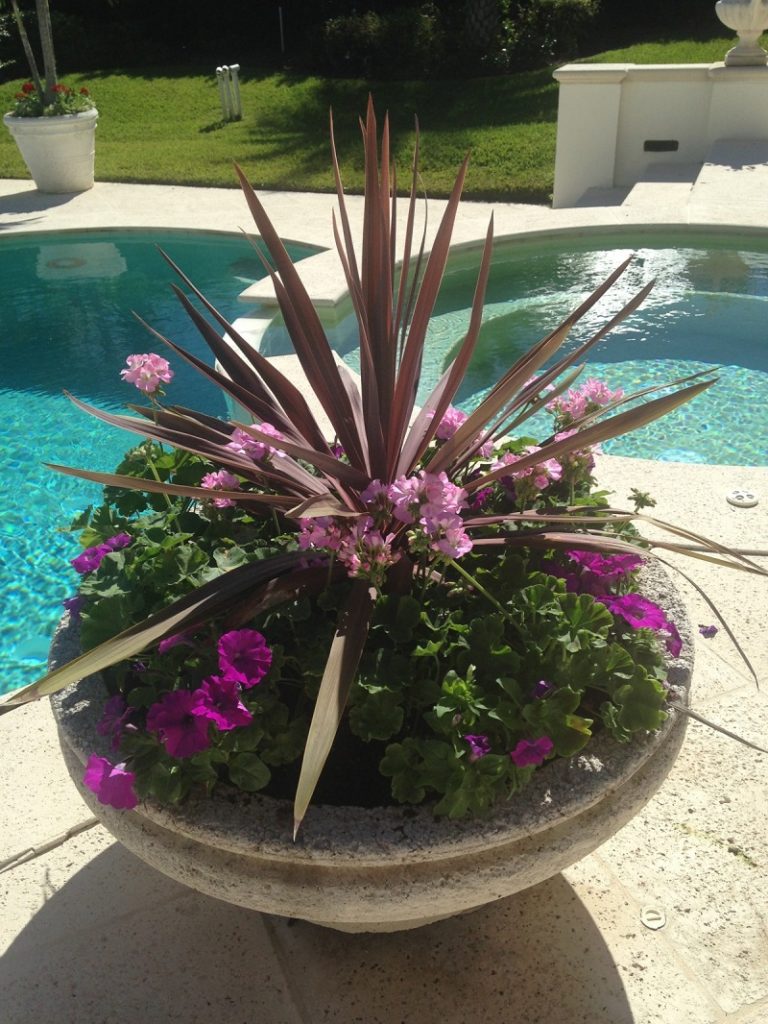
(67, 324)
(709, 308)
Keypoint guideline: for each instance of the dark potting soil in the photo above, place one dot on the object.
(350, 777)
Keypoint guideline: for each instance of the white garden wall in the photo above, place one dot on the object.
(616, 122)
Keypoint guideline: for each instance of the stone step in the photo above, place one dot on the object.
(734, 176)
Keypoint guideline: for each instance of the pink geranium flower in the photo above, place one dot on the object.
(244, 444)
(591, 396)
(222, 480)
(111, 783)
(147, 371)
(321, 532)
(244, 657)
(452, 419)
(367, 553)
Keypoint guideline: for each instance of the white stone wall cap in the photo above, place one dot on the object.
(588, 73)
(737, 75)
(610, 73)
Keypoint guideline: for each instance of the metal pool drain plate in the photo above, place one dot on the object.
(741, 498)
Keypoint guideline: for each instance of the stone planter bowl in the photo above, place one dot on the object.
(383, 869)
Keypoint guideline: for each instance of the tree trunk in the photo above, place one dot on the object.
(28, 52)
(46, 43)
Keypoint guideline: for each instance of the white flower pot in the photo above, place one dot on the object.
(390, 868)
(58, 151)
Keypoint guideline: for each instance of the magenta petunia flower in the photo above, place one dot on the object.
(114, 719)
(91, 558)
(641, 613)
(181, 731)
(600, 570)
(673, 640)
(74, 605)
(543, 689)
(120, 540)
(147, 371)
(175, 640)
(244, 656)
(637, 610)
(479, 746)
(531, 752)
(111, 783)
(219, 702)
(708, 631)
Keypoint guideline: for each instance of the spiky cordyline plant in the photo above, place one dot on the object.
(384, 436)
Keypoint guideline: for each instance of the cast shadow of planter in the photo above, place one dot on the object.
(533, 958)
(32, 201)
(118, 942)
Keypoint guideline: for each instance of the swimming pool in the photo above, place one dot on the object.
(709, 308)
(67, 324)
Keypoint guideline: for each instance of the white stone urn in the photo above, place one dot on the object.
(58, 151)
(391, 868)
(749, 19)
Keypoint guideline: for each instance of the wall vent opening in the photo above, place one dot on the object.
(661, 145)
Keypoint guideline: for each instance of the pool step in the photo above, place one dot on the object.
(663, 185)
(734, 175)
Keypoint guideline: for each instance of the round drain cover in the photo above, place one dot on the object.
(741, 497)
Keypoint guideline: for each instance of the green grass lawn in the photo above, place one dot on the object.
(165, 126)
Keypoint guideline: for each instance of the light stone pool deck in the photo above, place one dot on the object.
(90, 935)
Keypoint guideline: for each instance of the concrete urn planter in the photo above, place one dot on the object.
(392, 868)
(59, 151)
(748, 19)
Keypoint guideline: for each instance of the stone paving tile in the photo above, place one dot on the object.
(742, 601)
(91, 935)
(546, 956)
(699, 851)
(757, 1014)
(37, 796)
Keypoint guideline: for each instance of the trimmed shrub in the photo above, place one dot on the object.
(401, 43)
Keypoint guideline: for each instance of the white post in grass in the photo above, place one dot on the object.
(237, 106)
(229, 92)
(223, 84)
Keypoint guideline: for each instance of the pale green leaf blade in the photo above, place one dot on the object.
(340, 671)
